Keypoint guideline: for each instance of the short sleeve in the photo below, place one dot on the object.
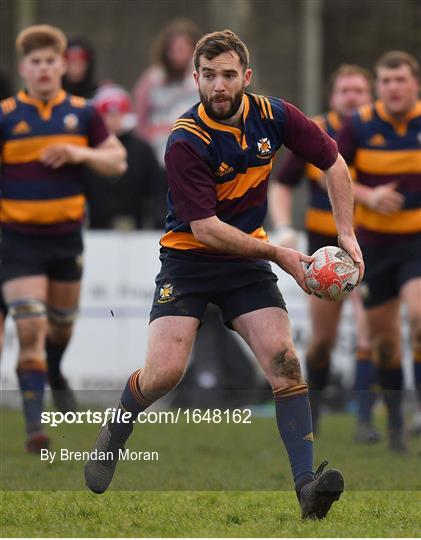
(97, 131)
(191, 182)
(347, 141)
(307, 140)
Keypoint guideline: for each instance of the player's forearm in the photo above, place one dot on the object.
(339, 185)
(280, 204)
(106, 161)
(223, 237)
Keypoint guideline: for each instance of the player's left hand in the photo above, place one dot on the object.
(57, 155)
(349, 243)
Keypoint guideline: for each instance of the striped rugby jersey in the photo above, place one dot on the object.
(37, 199)
(215, 169)
(319, 215)
(382, 151)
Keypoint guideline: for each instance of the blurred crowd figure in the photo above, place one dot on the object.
(132, 200)
(79, 78)
(166, 89)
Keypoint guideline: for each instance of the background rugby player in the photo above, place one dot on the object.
(46, 137)
(383, 142)
(350, 87)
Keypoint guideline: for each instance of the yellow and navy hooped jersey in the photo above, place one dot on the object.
(382, 151)
(215, 169)
(36, 198)
(319, 215)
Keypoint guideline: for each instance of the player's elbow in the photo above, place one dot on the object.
(203, 230)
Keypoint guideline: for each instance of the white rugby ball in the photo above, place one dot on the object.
(332, 275)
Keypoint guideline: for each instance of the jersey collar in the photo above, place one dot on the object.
(44, 108)
(334, 120)
(401, 126)
(238, 133)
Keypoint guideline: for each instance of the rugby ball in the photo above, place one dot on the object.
(332, 275)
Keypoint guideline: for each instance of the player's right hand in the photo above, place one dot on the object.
(292, 261)
(385, 199)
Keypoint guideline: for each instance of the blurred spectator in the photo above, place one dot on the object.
(5, 86)
(166, 90)
(79, 78)
(129, 201)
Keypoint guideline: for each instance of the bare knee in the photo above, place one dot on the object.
(31, 332)
(285, 365)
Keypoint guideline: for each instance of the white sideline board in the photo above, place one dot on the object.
(109, 340)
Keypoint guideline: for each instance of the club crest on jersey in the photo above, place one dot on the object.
(264, 148)
(166, 294)
(71, 122)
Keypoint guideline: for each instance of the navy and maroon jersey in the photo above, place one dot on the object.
(214, 169)
(382, 151)
(37, 199)
(319, 215)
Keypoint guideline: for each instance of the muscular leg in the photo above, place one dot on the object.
(63, 301)
(268, 333)
(365, 374)
(384, 324)
(170, 342)
(324, 320)
(26, 298)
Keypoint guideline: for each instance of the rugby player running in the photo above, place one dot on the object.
(218, 159)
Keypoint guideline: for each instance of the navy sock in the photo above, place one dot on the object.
(365, 380)
(132, 401)
(317, 377)
(391, 381)
(55, 353)
(293, 417)
(32, 384)
(417, 374)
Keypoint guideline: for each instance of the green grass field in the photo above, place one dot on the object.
(183, 495)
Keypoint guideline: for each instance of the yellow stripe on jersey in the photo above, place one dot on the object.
(320, 221)
(387, 162)
(243, 182)
(43, 212)
(264, 106)
(77, 101)
(31, 148)
(313, 173)
(8, 105)
(191, 130)
(192, 124)
(186, 240)
(403, 222)
(366, 113)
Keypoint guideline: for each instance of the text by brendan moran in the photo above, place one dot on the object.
(71, 455)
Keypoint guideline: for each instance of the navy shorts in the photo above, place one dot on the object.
(316, 241)
(187, 283)
(57, 257)
(388, 267)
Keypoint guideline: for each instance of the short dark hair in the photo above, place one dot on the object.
(395, 59)
(216, 43)
(350, 69)
(40, 36)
